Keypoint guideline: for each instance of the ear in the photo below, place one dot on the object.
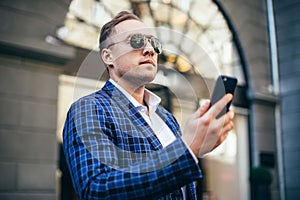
(107, 57)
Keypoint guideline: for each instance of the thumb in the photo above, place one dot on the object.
(203, 108)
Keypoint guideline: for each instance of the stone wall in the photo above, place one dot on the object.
(288, 33)
(28, 104)
(30, 63)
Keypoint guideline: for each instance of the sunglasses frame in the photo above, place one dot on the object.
(137, 38)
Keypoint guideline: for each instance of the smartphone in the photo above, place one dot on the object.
(224, 84)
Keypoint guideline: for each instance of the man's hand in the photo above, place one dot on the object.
(203, 131)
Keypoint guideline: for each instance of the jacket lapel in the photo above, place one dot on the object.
(169, 120)
(120, 100)
(191, 191)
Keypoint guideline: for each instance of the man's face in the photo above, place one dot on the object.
(135, 66)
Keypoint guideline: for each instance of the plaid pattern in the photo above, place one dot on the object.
(112, 153)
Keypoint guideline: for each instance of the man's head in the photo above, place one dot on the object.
(108, 28)
(129, 49)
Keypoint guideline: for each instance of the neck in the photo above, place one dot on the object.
(136, 91)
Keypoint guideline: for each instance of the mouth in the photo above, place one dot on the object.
(148, 62)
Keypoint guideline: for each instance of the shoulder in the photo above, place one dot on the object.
(97, 100)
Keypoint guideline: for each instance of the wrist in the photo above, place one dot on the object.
(191, 151)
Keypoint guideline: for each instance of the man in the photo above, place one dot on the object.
(119, 143)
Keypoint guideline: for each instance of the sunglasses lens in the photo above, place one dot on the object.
(156, 45)
(137, 41)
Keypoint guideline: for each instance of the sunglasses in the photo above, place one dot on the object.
(138, 41)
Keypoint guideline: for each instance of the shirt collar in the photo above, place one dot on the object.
(151, 99)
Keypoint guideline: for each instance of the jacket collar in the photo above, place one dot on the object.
(120, 100)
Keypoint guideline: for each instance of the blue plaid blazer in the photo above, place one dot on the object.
(112, 153)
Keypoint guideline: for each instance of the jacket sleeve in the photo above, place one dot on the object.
(100, 169)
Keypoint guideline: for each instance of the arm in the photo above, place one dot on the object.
(100, 169)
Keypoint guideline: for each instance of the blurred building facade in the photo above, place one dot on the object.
(33, 60)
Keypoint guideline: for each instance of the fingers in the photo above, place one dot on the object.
(225, 126)
(219, 106)
(221, 140)
(202, 109)
(226, 121)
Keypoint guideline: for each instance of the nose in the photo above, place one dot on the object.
(148, 49)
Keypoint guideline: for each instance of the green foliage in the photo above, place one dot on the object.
(260, 176)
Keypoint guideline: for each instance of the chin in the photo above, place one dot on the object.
(146, 79)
